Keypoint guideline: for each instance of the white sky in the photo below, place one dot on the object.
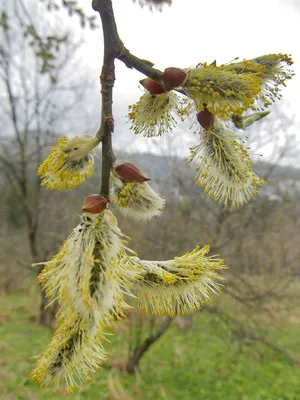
(191, 31)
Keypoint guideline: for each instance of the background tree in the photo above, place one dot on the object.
(42, 92)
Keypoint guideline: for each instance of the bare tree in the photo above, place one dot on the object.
(36, 106)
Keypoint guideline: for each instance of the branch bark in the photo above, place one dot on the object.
(113, 48)
(107, 79)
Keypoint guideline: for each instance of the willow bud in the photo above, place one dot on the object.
(206, 119)
(130, 173)
(173, 77)
(94, 204)
(244, 122)
(152, 86)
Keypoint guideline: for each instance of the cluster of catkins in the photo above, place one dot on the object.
(94, 270)
(218, 96)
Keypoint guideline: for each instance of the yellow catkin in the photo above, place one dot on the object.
(223, 91)
(135, 200)
(272, 69)
(154, 115)
(224, 167)
(89, 277)
(69, 163)
(88, 281)
(177, 286)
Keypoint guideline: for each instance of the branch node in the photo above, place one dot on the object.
(109, 122)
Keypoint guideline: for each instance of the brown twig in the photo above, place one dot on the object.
(113, 48)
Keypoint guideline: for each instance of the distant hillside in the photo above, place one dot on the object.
(169, 174)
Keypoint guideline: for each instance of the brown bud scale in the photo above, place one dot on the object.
(152, 86)
(206, 119)
(94, 204)
(173, 77)
(130, 173)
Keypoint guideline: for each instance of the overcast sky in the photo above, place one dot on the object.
(191, 31)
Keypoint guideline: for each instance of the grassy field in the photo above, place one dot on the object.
(204, 362)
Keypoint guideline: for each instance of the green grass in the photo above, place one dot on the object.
(204, 362)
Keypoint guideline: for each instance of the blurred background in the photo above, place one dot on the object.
(245, 344)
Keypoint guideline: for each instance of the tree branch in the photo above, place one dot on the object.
(144, 66)
(113, 48)
(141, 349)
(107, 79)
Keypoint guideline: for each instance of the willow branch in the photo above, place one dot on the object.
(144, 66)
(107, 79)
(107, 82)
(113, 48)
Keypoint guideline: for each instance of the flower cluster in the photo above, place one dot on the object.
(271, 68)
(69, 163)
(177, 286)
(154, 115)
(224, 167)
(74, 352)
(220, 93)
(88, 280)
(134, 198)
(224, 92)
(89, 277)
(92, 271)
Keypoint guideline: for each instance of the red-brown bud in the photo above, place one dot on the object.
(110, 122)
(152, 86)
(130, 173)
(173, 77)
(94, 204)
(206, 119)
